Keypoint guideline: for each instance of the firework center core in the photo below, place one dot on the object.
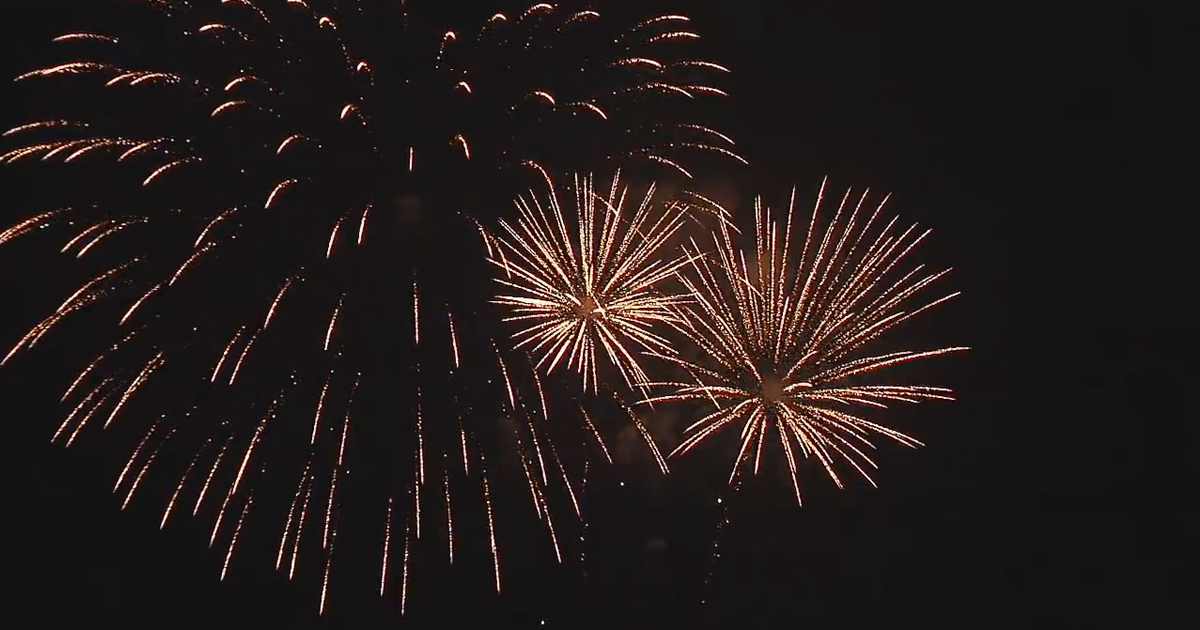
(588, 308)
(772, 388)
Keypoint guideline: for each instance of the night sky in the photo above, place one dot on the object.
(997, 124)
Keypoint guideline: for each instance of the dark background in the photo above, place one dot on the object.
(1005, 127)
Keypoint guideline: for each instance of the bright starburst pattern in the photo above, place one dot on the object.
(787, 330)
(279, 203)
(590, 282)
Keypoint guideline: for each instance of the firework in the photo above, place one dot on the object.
(787, 329)
(279, 204)
(592, 282)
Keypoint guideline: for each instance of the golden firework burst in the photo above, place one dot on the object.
(787, 329)
(592, 288)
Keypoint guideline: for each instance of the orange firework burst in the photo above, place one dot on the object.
(787, 336)
(596, 287)
(241, 181)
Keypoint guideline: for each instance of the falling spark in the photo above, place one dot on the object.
(487, 499)
(237, 367)
(453, 339)
(300, 530)
(189, 261)
(279, 188)
(137, 481)
(225, 354)
(333, 322)
(461, 141)
(404, 574)
(333, 234)
(148, 369)
(228, 106)
(182, 481)
(132, 458)
(333, 480)
(594, 108)
(387, 541)
(88, 416)
(145, 296)
(289, 141)
(287, 526)
(449, 516)
(325, 577)
(236, 532)
(320, 408)
(167, 168)
(673, 17)
(82, 405)
(141, 148)
(237, 480)
(33, 223)
(673, 36)
(544, 96)
(82, 235)
(85, 36)
(211, 473)
(416, 293)
(362, 224)
(275, 302)
(105, 234)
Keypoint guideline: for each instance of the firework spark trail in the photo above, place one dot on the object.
(137, 481)
(287, 526)
(237, 366)
(387, 541)
(404, 571)
(277, 145)
(449, 516)
(225, 354)
(491, 521)
(595, 288)
(236, 532)
(719, 538)
(333, 478)
(300, 528)
(182, 481)
(88, 416)
(241, 471)
(82, 405)
(137, 383)
(584, 529)
(328, 567)
(212, 471)
(137, 303)
(91, 292)
(91, 366)
(132, 458)
(786, 333)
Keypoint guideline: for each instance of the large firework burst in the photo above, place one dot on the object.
(787, 331)
(276, 202)
(591, 283)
